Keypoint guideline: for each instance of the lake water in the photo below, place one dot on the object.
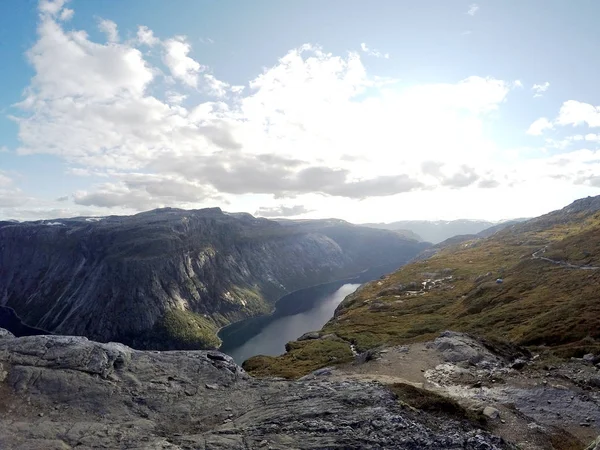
(295, 314)
(273, 337)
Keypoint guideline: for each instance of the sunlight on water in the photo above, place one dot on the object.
(272, 339)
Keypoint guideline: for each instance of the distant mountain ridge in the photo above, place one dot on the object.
(439, 230)
(169, 278)
(533, 283)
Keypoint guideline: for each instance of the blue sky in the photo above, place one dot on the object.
(395, 110)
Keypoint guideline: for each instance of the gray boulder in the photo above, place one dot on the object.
(459, 347)
(311, 335)
(491, 412)
(5, 334)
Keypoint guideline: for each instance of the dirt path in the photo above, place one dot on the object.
(533, 404)
(536, 255)
(403, 364)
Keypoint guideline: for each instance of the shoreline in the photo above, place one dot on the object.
(274, 309)
(352, 279)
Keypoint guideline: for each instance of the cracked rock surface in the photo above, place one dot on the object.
(62, 392)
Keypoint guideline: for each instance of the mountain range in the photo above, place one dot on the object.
(170, 278)
(518, 370)
(437, 231)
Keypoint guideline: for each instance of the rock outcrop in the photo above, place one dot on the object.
(62, 392)
(169, 278)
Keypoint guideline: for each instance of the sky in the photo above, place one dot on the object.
(391, 110)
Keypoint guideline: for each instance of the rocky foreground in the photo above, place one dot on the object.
(61, 392)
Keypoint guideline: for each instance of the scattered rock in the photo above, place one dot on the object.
(594, 381)
(518, 364)
(395, 289)
(5, 334)
(331, 337)
(460, 347)
(324, 372)
(591, 358)
(370, 355)
(491, 412)
(214, 387)
(309, 336)
(217, 356)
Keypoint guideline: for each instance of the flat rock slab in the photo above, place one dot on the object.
(67, 392)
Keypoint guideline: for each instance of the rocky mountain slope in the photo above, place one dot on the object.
(169, 278)
(535, 283)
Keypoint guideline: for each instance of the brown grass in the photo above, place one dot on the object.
(537, 304)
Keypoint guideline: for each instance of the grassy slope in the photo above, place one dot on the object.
(538, 303)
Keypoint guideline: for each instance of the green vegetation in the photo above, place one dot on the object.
(302, 358)
(538, 304)
(188, 329)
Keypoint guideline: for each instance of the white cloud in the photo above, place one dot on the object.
(314, 125)
(146, 36)
(575, 113)
(86, 69)
(66, 14)
(109, 28)
(51, 7)
(3, 149)
(473, 9)
(215, 87)
(141, 191)
(175, 98)
(538, 127)
(182, 67)
(5, 180)
(539, 89)
(282, 211)
(373, 52)
(572, 113)
(518, 83)
(10, 195)
(206, 40)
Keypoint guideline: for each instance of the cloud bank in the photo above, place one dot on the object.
(313, 126)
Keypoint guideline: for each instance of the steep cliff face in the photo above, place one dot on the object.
(169, 278)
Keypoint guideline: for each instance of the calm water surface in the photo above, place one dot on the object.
(273, 337)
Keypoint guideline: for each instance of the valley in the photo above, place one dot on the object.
(481, 341)
(461, 293)
(169, 279)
